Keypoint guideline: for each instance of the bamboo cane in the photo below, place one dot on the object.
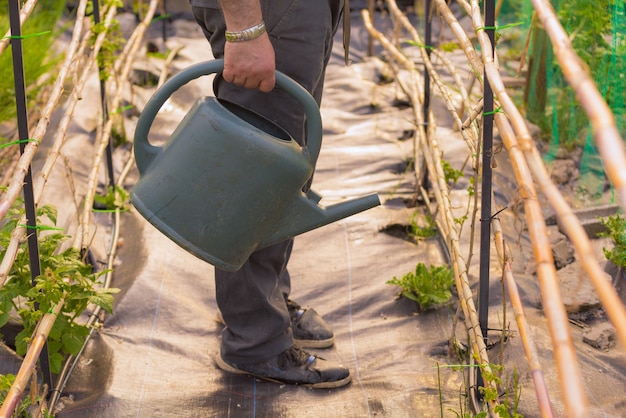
(26, 10)
(471, 136)
(550, 289)
(17, 180)
(44, 326)
(605, 132)
(545, 267)
(27, 368)
(610, 300)
(433, 161)
(572, 389)
(82, 237)
(18, 234)
(528, 344)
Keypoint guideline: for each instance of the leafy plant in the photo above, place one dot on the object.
(426, 286)
(616, 230)
(116, 197)
(112, 44)
(451, 174)
(5, 385)
(427, 231)
(64, 277)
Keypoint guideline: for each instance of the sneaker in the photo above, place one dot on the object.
(293, 366)
(309, 328)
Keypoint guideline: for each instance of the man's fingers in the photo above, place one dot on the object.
(267, 84)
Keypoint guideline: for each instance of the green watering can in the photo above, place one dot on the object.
(228, 181)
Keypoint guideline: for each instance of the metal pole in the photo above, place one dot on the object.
(22, 127)
(428, 41)
(487, 155)
(424, 181)
(103, 102)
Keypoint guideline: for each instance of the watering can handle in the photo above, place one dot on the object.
(145, 152)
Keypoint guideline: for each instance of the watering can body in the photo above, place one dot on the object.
(228, 181)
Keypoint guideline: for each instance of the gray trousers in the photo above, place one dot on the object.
(252, 299)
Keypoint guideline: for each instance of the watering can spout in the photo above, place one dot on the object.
(306, 215)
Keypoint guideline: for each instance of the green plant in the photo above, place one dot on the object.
(508, 402)
(427, 231)
(427, 287)
(64, 277)
(451, 174)
(116, 197)
(22, 410)
(616, 230)
(110, 47)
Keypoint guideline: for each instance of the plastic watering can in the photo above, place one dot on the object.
(228, 181)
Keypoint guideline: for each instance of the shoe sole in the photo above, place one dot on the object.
(322, 385)
(315, 343)
(302, 343)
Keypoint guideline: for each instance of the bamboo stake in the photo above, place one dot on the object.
(25, 11)
(530, 349)
(546, 273)
(608, 296)
(572, 389)
(15, 186)
(433, 161)
(94, 317)
(27, 368)
(18, 234)
(610, 300)
(45, 325)
(605, 132)
(570, 376)
(82, 237)
(475, 62)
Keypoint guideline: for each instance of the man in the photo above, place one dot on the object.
(265, 330)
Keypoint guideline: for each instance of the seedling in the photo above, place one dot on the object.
(427, 287)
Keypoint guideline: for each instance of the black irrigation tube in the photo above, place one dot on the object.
(22, 126)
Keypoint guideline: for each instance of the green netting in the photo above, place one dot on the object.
(598, 33)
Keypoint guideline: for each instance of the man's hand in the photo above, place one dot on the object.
(250, 64)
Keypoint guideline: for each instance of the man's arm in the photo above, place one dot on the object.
(250, 63)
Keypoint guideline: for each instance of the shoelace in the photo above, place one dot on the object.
(295, 311)
(297, 357)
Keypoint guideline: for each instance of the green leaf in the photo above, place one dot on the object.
(21, 341)
(104, 299)
(56, 362)
(73, 341)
